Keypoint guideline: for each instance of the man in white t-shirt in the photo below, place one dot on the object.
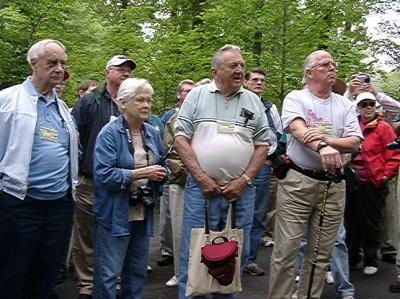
(321, 126)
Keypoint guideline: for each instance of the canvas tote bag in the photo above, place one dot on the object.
(200, 282)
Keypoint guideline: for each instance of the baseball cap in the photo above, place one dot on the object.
(364, 96)
(117, 60)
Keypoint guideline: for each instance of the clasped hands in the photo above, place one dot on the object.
(330, 157)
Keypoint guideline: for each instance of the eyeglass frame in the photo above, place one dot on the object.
(366, 103)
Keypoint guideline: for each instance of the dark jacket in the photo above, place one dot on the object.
(91, 114)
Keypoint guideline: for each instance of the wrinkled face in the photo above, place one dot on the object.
(117, 74)
(323, 70)
(229, 75)
(49, 68)
(181, 95)
(366, 108)
(139, 107)
(256, 83)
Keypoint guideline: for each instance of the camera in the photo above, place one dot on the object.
(394, 144)
(142, 195)
(364, 78)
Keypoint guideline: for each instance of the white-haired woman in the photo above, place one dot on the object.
(127, 159)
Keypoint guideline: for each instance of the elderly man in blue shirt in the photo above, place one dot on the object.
(38, 173)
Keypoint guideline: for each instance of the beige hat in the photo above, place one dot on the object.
(117, 60)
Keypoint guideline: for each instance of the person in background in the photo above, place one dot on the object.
(128, 167)
(254, 80)
(376, 165)
(166, 233)
(38, 175)
(86, 88)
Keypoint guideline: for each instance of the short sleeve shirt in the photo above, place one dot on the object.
(336, 116)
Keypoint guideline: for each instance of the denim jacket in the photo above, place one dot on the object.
(18, 116)
(112, 175)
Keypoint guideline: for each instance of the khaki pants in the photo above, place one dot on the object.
(298, 203)
(83, 235)
(271, 211)
(176, 193)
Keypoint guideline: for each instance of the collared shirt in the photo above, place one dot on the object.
(221, 137)
(49, 165)
(18, 116)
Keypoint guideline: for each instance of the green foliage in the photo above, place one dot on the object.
(390, 84)
(175, 39)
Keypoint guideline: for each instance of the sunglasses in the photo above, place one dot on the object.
(365, 104)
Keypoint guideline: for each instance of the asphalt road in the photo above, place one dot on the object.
(375, 287)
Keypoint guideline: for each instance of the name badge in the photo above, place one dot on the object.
(326, 127)
(113, 117)
(48, 134)
(225, 128)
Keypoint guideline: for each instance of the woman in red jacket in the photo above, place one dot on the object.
(376, 166)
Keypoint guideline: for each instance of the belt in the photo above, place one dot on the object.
(320, 175)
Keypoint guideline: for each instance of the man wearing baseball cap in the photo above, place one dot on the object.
(91, 113)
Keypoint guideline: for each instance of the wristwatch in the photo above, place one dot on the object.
(321, 145)
(249, 180)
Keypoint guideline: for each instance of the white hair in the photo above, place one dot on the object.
(217, 59)
(130, 87)
(37, 50)
(309, 63)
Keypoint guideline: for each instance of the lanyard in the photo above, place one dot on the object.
(130, 141)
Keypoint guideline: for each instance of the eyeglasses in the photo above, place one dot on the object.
(256, 80)
(365, 104)
(325, 65)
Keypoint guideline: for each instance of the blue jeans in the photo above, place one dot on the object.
(339, 264)
(125, 256)
(33, 237)
(193, 217)
(261, 182)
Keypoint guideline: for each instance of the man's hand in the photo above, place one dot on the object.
(314, 134)
(234, 189)
(330, 159)
(208, 186)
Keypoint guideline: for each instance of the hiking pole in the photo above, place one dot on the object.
(317, 240)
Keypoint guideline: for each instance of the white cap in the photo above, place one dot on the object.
(117, 60)
(364, 96)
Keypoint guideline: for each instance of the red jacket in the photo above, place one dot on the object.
(379, 160)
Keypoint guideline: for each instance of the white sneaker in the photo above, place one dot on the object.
(369, 270)
(294, 296)
(149, 269)
(329, 278)
(348, 297)
(297, 279)
(172, 282)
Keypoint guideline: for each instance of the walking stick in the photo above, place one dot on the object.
(317, 240)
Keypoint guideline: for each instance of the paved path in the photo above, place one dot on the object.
(375, 287)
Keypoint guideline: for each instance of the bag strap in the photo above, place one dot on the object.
(230, 221)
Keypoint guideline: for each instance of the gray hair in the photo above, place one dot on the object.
(186, 81)
(309, 63)
(130, 87)
(203, 82)
(217, 59)
(37, 50)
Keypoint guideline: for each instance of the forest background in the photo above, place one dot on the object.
(175, 39)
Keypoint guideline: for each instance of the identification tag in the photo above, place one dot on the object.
(326, 127)
(113, 117)
(225, 128)
(48, 134)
